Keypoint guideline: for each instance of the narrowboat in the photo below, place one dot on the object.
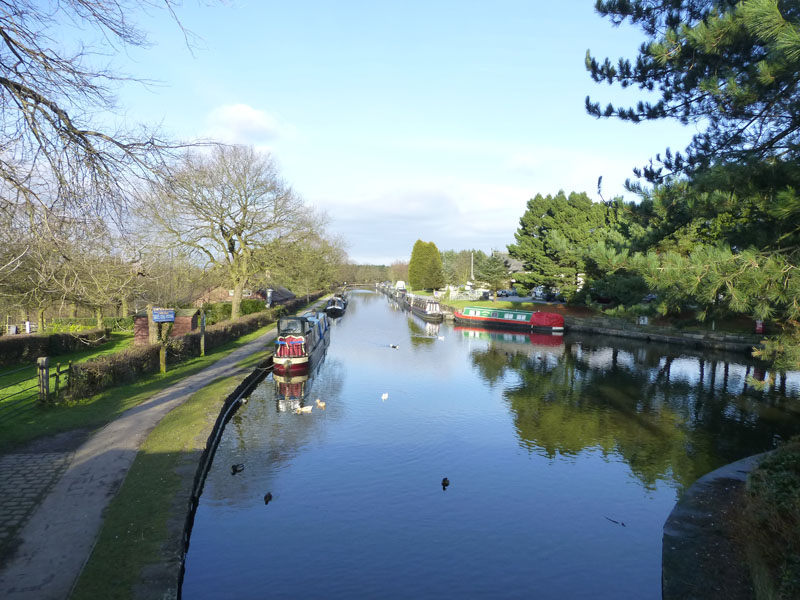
(301, 342)
(426, 308)
(335, 307)
(341, 296)
(507, 318)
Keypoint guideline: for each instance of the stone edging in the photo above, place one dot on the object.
(732, 342)
(696, 536)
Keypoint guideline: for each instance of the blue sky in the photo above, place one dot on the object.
(403, 121)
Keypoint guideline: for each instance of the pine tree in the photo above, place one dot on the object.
(494, 273)
(732, 67)
(433, 270)
(416, 266)
(554, 238)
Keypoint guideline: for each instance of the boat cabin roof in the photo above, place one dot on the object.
(501, 313)
(293, 325)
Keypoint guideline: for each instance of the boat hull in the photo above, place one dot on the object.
(540, 322)
(426, 316)
(291, 367)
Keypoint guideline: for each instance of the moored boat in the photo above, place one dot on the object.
(301, 342)
(335, 307)
(508, 318)
(425, 307)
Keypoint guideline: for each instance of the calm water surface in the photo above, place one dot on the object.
(550, 445)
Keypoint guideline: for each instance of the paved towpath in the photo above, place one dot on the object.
(59, 533)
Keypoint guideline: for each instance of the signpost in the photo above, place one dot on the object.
(163, 315)
(160, 316)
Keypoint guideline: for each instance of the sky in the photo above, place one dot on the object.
(431, 120)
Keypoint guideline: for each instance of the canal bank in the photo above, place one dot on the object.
(702, 555)
(60, 534)
(579, 320)
(713, 340)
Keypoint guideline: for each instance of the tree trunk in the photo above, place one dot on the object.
(73, 311)
(98, 314)
(40, 321)
(125, 309)
(152, 328)
(237, 299)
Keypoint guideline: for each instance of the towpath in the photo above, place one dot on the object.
(55, 500)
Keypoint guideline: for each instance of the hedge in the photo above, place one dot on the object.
(21, 348)
(94, 376)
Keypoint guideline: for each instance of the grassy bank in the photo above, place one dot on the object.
(94, 412)
(138, 552)
(771, 524)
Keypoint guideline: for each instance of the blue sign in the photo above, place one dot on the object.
(163, 315)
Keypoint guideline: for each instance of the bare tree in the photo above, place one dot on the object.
(52, 153)
(225, 206)
(304, 267)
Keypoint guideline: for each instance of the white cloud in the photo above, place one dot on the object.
(383, 226)
(243, 124)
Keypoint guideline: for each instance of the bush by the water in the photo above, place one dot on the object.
(772, 519)
(23, 348)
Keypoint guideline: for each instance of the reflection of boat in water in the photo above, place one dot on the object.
(301, 343)
(513, 337)
(508, 318)
(292, 388)
(426, 308)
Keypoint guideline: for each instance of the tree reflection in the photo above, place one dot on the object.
(669, 416)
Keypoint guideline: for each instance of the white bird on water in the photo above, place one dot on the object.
(385, 397)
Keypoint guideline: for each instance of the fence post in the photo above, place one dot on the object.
(44, 379)
(58, 378)
(202, 332)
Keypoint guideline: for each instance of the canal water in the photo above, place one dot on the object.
(564, 458)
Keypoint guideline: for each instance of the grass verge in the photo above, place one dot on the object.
(138, 552)
(771, 523)
(98, 410)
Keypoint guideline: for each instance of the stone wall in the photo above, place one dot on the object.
(716, 340)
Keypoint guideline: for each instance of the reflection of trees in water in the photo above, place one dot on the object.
(630, 402)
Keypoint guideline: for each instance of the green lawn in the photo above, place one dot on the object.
(98, 410)
(119, 340)
(19, 385)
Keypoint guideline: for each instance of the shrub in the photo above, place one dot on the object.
(772, 517)
(16, 349)
(621, 287)
(248, 307)
(217, 312)
(94, 376)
